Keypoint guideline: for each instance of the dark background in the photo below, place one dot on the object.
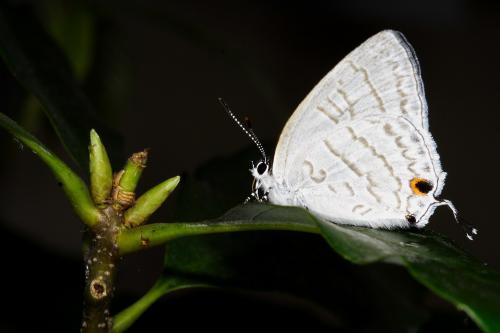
(156, 69)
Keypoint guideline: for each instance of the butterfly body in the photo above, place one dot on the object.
(358, 149)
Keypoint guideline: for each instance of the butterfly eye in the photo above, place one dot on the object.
(421, 186)
(411, 219)
(261, 168)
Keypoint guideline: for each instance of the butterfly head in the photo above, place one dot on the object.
(260, 170)
(262, 179)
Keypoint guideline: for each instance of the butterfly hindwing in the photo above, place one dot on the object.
(362, 172)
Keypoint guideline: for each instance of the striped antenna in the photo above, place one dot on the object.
(248, 131)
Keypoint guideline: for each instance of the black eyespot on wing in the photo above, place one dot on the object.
(411, 219)
(424, 186)
(261, 168)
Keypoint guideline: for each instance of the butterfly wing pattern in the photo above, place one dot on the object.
(358, 150)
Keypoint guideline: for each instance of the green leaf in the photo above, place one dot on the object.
(299, 264)
(428, 257)
(284, 262)
(73, 186)
(432, 260)
(222, 257)
(35, 61)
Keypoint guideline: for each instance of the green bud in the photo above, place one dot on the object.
(133, 170)
(101, 175)
(149, 202)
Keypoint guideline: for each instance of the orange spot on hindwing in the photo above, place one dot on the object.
(421, 186)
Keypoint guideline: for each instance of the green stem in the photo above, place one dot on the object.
(132, 240)
(127, 317)
(74, 187)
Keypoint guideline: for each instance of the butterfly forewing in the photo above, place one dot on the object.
(379, 77)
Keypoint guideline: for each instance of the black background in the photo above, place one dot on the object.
(263, 57)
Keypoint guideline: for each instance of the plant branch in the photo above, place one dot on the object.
(132, 240)
(100, 264)
(165, 285)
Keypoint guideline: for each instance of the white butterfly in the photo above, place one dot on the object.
(358, 150)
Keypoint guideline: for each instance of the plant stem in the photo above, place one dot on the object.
(146, 236)
(100, 261)
(165, 285)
